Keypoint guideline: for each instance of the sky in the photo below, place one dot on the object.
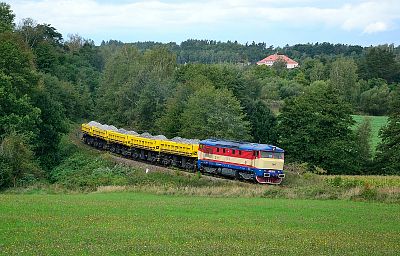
(275, 22)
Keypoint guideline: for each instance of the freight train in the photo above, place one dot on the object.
(261, 163)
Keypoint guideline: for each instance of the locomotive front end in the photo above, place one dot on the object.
(269, 166)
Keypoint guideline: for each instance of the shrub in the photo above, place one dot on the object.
(369, 192)
(338, 181)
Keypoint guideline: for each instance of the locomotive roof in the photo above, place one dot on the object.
(240, 145)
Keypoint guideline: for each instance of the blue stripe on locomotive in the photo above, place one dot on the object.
(255, 171)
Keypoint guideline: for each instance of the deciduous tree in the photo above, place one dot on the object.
(343, 78)
(315, 128)
(214, 112)
(6, 18)
(16, 161)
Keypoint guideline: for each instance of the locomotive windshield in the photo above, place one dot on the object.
(270, 154)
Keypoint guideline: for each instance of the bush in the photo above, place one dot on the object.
(344, 183)
(17, 164)
(369, 192)
(273, 192)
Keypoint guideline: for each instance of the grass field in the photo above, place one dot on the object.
(141, 223)
(376, 124)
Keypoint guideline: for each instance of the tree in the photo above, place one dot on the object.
(380, 63)
(75, 42)
(170, 123)
(214, 112)
(6, 18)
(135, 86)
(16, 60)
(27, 106)
(262, 71)
(263, 122)
(315, 128)
(53, 125)
(16, 161)
(301, 79)
(27, 28)
(363, 142)
(244, 86)
(45, 42)
(290, 89)
(280, 67)
(387, 159)
(150, 104)
(376, 100)
(343, 78)
(317, 72)
(17, 114)
(17, 81)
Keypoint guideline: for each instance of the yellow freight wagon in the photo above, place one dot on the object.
(117, 137)
(143, 143)
(100, 133)
(87, 129)
(176, 148)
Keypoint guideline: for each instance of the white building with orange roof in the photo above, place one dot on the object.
(271, 59)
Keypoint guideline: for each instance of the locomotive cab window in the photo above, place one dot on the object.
(278, 155)
(266, 154)
(270, 154)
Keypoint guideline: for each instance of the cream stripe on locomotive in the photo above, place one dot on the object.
(260, 163)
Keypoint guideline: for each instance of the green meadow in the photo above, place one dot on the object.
(377, 122)
(132, 223)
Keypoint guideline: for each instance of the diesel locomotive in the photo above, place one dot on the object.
(261, 163)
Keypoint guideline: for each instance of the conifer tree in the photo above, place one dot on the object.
(387, 160)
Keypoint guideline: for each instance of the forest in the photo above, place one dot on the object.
(195, 89)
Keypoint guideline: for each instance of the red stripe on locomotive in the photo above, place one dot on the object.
(245, 154)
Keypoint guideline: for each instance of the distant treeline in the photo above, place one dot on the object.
(205, 51)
